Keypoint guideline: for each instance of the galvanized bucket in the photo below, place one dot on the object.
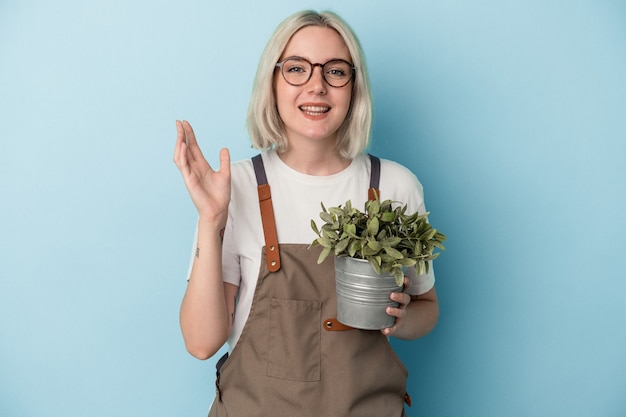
(363, 295)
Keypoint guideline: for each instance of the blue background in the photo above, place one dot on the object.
(512, 114)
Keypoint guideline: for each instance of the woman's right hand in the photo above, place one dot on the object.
(209, 189)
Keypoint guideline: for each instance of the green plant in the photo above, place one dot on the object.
(387, 237)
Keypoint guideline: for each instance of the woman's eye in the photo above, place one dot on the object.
(296, 69)
(337, 72)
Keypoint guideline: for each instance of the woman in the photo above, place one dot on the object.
(253, 282)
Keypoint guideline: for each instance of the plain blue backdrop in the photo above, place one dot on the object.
(512, 114)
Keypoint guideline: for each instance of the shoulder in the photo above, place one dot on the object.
(243, 186)
(400, 184)
(242, 174)
(398, 172)
(242, 167)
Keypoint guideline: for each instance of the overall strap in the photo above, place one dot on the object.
(374, 191)
(272, 253)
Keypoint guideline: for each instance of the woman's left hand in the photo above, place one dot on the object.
(400, 312)
(416, 315)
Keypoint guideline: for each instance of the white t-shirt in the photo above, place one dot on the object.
(297, 198)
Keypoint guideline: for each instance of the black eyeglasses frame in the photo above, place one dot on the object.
(313, 65)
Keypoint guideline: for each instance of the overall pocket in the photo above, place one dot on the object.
(294, 340)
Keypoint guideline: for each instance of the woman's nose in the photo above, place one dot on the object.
(317, 82)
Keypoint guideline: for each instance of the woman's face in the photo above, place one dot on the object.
(315, 110)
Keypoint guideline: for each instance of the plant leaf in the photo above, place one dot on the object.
(350, 229)
(374, 245)
(330, 234)
(398, 273)
(327, 217)
(388, 217)
(392, 241)
(394, 253)
(372, 226)
(407, 262)
(375, 264)
(314, 227)
(428, 234)
(374, 208)
(325, 242)
(341, 246)
(438, 244)
(421, 267)
(323, 255)
(355, 246)
(337, 211)
(387, 259)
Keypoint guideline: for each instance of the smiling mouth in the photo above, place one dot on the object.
(315, 110)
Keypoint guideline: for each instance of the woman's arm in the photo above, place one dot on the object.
(208, 305)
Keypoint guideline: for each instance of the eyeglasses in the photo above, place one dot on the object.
(297, 71)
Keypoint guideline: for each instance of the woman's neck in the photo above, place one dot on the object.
(318, 161)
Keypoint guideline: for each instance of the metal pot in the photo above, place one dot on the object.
(363, 295)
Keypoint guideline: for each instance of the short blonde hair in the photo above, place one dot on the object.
(264, 124)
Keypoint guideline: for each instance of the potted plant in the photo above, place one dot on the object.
(372, 249)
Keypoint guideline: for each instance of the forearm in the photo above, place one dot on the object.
(204, 318)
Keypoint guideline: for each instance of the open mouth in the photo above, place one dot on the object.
(315, 110)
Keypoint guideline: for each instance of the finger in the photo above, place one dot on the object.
(180, 133)
(194, 152)
(397, 312)
(182, 159)
(180, 136)
(190, 136)
(401, 298)
(225, 161)
(192, 143)
(180, 152)
(389, 331)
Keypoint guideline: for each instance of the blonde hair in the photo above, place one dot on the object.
(264, 124)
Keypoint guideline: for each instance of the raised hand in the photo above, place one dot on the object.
(209, 189)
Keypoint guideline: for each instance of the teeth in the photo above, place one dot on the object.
(314, 109)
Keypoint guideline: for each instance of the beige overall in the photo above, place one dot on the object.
(293, 358)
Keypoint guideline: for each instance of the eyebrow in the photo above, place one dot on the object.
(307, 59)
